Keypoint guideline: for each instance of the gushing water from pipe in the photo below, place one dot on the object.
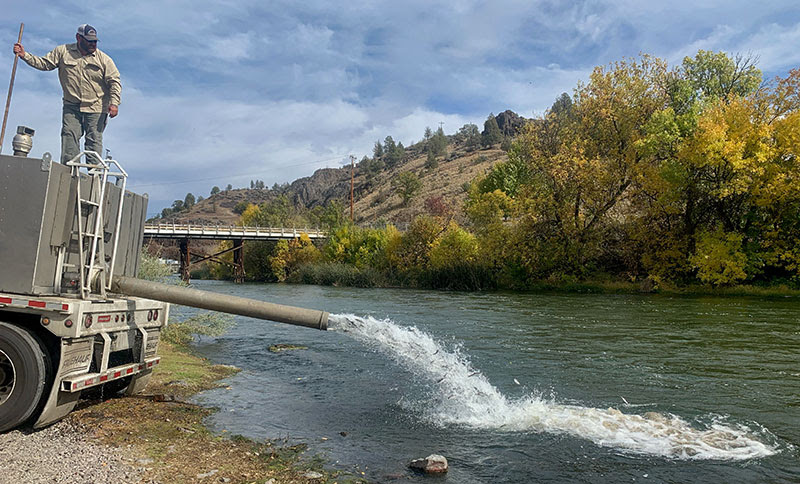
(464, 396)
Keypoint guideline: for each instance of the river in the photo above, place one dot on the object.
(518, 388)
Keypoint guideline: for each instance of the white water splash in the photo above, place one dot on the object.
(465, 397)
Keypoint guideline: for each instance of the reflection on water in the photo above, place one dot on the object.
(523, 388)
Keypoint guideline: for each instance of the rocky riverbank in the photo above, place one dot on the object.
(158, 437)
(61, 454)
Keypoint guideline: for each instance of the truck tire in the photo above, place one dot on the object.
(23, 375)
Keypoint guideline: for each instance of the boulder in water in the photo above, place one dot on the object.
(433, 464)
(286, 347)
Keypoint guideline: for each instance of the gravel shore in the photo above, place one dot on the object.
(60, 453)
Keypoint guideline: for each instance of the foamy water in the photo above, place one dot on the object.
(464, 396)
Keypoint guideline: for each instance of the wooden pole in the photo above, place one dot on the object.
(10, 88)
(352, 177)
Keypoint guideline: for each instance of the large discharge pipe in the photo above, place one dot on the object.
(220, 302)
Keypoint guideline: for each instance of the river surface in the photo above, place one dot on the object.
(517, 388)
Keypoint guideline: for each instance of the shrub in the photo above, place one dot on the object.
(455, 248)
(361, 247)
(240, 207)
(337, 274)
(718, 258)
(207, 324)
(407, 185)
(289, 256)
(431, 163)
(152, 269)
(437, 206)
(411, 252)
(461, 277)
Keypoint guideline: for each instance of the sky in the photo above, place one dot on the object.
(224, 92)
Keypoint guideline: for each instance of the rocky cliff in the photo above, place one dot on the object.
(376, 200)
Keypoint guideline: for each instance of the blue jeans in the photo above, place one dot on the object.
(74, 125)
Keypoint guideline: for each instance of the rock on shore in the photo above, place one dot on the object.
(433, 464)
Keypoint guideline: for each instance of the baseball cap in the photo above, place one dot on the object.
(87, 32)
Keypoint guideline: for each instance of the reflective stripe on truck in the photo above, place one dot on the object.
(25, 303)
(80, 382)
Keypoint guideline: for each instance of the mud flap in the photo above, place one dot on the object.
(76, 356)
(138, 383)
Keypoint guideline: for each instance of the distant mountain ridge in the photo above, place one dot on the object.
(375, 198)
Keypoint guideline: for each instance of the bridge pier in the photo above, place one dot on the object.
(183, 233)
(186, 259)
(238, 261)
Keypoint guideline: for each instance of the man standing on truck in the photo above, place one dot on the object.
(91, 86)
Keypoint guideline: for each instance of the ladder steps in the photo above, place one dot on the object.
(90, 232)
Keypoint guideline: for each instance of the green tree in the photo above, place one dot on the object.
(407, 185)
(507, 176)
(240, 207)
(188, 201)
(715, 75)
(675, 196)
(389, 145)
(437, 143)
(412, 253)
(431, 163)
(471, 136)
(583, 160)
(214, 190)
(491, 132)
(455, 248)
(487, 210)
(371, 167)
(276, 212)
(360, 247)
(330, 216)
(562, 105)
(290, 255)
(393, 153)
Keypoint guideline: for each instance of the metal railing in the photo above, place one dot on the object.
(200, 231)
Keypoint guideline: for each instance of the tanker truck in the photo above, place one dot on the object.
(72, 314)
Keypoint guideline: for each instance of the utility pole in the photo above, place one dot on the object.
(352, 178)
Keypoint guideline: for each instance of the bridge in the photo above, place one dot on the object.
(228, 232)
(183, 233)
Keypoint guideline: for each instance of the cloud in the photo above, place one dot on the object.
(224, 92)
(231, 48)
(775, 45)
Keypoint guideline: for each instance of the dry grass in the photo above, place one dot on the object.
(446, 181)
(379, 203)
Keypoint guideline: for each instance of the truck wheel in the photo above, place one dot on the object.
(23, 375)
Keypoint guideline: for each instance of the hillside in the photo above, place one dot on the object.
(375, 199)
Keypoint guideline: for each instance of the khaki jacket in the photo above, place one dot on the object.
(92, 80)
